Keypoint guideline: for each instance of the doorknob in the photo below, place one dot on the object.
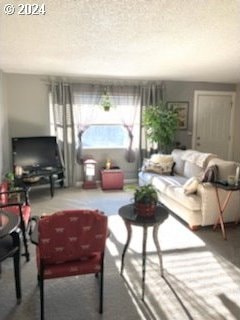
(198, 138)
(198, 144)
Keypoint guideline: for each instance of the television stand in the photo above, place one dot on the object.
(40, 176)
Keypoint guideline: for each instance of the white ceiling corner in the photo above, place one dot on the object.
(131, 39)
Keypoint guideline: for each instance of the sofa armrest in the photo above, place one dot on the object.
(210, 207)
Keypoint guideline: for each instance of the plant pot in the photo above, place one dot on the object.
(145, 209)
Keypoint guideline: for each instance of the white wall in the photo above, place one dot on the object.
(4, 135)
(27, 101)
(1, 123)
(236, 138)
(28, 116)
(184, 91)
(24, 111)
(27, 104)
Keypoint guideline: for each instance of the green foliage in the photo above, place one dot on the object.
(161, 125)
(146, 194)
(106, 102)
(9, 177)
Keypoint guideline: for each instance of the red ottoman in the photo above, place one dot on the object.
(111, 179)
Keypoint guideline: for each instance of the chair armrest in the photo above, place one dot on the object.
(34, 229)
(11, 204)
(108, 230)
(18, 190)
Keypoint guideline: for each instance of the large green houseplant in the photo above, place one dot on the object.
(161, 125)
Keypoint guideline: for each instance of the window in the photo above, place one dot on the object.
(96, 128)
(105, 136)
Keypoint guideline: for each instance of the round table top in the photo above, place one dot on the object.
(8, 223)
(128, 213)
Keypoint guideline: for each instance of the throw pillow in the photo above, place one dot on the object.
(161, 158)
(210, 174)
(160, 169)
(161, 164)
(166, 168)
(191, 185)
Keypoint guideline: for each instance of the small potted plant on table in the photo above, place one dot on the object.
(145, 200)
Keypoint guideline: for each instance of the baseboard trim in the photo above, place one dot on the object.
(126, 181)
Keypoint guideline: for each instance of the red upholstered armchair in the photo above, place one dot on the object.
(20, 207)
(70, 243)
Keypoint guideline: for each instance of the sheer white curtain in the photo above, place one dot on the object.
(127, 101)
(88, 111)
(85, 99)
(63, 124)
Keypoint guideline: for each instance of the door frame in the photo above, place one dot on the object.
(197, 93)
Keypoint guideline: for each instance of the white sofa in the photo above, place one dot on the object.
(199, 208)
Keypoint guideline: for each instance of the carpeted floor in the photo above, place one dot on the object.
(201, 270)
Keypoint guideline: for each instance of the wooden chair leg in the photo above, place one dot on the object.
(17, 267)
(41, 285)
(38, 280)
(17, 274)
(25, 241)
(101, 286)
(24, 234)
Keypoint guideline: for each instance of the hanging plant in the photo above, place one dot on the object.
(106, 102)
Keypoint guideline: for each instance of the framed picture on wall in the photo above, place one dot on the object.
(182, 110)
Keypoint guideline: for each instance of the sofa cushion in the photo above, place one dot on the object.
(225, 168)
(179, 163)
(201, 159)
(146, 177)
(161, 183)
(192, 170)
(191, 185)
(192, 201)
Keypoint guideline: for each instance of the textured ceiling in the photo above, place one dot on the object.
(141, 39)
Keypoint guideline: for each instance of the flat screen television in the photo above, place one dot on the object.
(33, 153)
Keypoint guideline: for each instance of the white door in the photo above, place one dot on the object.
(213, 122)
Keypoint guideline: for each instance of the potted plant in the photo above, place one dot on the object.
(9, 177)
(106, 102)
(161, 125)
(13, 193)
(145, 200)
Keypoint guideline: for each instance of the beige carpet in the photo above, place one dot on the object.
(198, 282)
(201, 271)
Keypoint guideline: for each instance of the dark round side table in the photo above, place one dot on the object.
(10, 245)
(8, 223)
(130, 217)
